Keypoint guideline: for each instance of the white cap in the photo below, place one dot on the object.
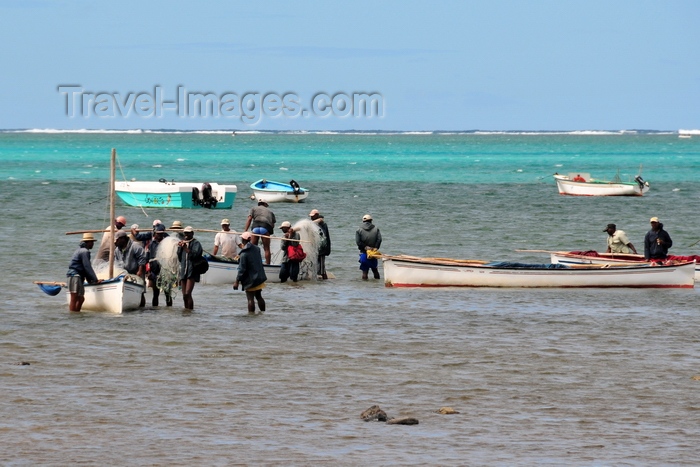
(285, 224)
(156, 222)
(366, 217)
(188, 229)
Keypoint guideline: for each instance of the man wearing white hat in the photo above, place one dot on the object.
(368, 238)
(227, 240)
(657, 241)
(290, 267)
(80, 270)
(251, 273)
(189, 253)
(324, 249)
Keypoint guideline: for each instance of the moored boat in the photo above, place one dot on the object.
(223, 271)
(581, 184)
(593, 257)
(278, 192)
(409, 271)
(179, 195)
(116, 295)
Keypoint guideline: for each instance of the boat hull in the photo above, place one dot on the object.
(172, 195)
(567, 186)
(221, 273)
(276, 192)
(563, 257)
(426, 273)
(113, 296)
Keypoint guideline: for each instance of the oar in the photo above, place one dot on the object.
(50, 288)
(442, 260)
(538, 251)
(694, 243)
(257, 235)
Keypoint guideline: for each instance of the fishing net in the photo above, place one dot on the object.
(311, 242)
(169, 265)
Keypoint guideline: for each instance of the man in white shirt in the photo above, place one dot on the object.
(618, 241)
(227, 241)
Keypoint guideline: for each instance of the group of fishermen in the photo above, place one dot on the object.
(656, 241)
(137, 254)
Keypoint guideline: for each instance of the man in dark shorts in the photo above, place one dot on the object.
(261, 220)
(79, 270)
(251, 274)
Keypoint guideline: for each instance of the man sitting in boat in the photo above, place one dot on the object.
(618, 241)
(578, 178)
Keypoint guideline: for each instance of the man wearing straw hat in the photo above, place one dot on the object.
(79, 270)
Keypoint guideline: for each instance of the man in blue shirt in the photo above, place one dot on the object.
(80, 270)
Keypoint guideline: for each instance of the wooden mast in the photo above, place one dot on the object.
(112, 177)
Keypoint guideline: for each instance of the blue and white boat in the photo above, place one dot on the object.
(179, 195)
(277, 192)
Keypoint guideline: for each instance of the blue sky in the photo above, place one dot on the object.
(462, 65)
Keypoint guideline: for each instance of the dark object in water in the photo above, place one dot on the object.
(403, 421)
(373, 413)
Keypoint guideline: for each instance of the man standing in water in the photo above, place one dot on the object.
(368, 238)
(251, 274)
(103, 251)
(262, 220)
(79, 270)
(189, 252)
(226, 240)
(324, 248)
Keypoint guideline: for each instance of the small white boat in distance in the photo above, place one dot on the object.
(411, 271)
(581, 184)
(593, 257)
(179, 195)
(277, 192)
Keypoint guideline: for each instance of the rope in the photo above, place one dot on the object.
(121, 169)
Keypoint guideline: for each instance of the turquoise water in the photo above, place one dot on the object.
(465, 158)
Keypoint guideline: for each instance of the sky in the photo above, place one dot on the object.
(420, 65)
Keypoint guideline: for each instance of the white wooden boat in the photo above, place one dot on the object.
(577, 257)
(179, 195)
(114, 295)
(409, 271)
(225, 272)
(568, 185)
(278, 192)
